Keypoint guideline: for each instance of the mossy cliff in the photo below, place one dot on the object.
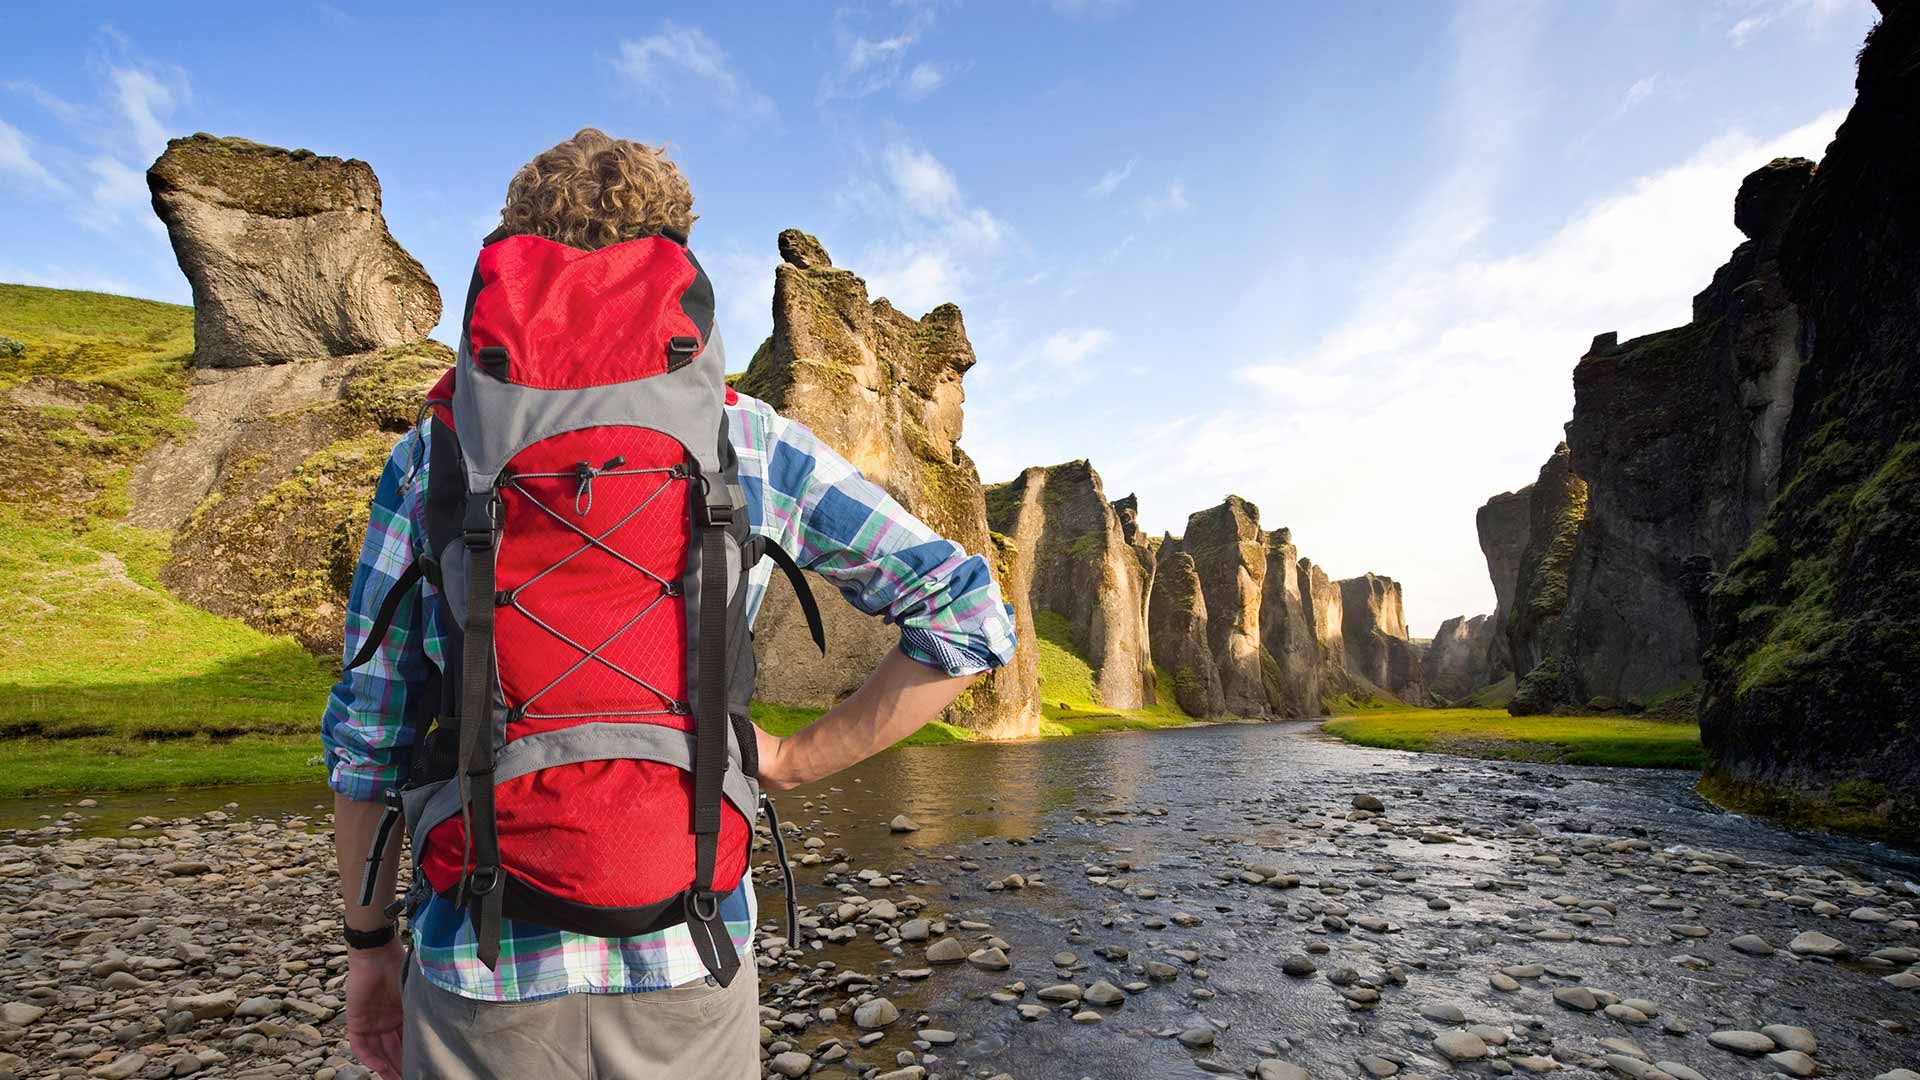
(1077, 561)
(884, 390)
(1811, 697)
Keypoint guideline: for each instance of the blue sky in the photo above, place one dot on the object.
(1339, 259)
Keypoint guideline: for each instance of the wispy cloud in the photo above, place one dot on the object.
(1761, 14)
(1465, 358)
(866, 64)
(113, 139)
(924, 79)
(683, 59)
(16, 157)
(1111, 181)
(1171, 200)
(929, 243)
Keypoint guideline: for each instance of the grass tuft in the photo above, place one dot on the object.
(1492, 733)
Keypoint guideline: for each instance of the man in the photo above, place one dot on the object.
(564, 1004)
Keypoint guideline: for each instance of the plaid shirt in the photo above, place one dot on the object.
(801, 495)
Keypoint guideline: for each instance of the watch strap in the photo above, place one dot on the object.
(367, 939)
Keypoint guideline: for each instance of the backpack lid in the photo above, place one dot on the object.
(553, 317)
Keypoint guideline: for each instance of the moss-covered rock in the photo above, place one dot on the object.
(287, 252)
(885, 391)
(1811, 695)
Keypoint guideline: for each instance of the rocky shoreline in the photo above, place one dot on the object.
(1373, 915)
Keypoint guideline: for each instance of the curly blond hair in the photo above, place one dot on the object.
(594, 190)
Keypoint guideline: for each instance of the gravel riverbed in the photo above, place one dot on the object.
(1245, 900)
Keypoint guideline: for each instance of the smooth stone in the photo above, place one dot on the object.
(1576, 997)
(1461, 1045)
(1196, 1037)
(1752, 945)
(874, 1014)
(1793, 1063)
(1299, 967)
(1750, 1043)
(1274, 1069)
(790, 1064)
(1105, 993)
(1791, 1037)
(1815, 943)
(903, 824)
(946, 951)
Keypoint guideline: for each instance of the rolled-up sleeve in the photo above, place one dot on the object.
(886, 562)
(366, 730)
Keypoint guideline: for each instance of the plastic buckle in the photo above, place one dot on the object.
(711, 902)
(718, 514)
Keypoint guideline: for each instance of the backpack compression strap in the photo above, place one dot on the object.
(708, 930)
(481, 886)
(423, 566)
(800, 590)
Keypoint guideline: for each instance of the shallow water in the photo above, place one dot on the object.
(1189, 807)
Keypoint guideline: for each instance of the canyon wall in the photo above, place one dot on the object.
(1281, 638)
(1075, 557)
(884, 390)
(1671, 458)
(1812, 681)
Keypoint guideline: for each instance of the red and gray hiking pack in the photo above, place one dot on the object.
(585, 760)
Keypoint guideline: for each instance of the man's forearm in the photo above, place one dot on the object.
(900, 697)
(354, 823)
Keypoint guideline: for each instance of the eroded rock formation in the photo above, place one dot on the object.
(1229, 554)
(884, 390)
(287, 252)
(1374, 631)
(1073, 553)
(1455, 663)
(1678, 437)
(1177, 627)
(1812, 680)
(1294, 654)
(1283, 638)
(1505, 527)
(1537, 634)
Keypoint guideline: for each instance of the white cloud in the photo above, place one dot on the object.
(930, 245)
(924, 79)
(1112, 180)
(143, 99)
(16, 156)
(1761, 14)
(116, 189)
(1173, 200)
(923, 183)
(1452, 374)
(1640, 91)
(1067, 350)
(112, 139)
(867, 65)
(681, 61)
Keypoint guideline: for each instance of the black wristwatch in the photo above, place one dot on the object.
(366, 939)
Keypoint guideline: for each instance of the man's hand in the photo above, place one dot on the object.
(899, 698)
(373, 1006)
(373, 975)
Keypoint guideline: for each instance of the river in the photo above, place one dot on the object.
(1622, 881)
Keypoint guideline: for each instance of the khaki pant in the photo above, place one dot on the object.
(693, 1032)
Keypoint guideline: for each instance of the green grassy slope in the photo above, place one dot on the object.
(1067, 703)
(107, 680)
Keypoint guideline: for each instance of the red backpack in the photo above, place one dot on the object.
(585, 761)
